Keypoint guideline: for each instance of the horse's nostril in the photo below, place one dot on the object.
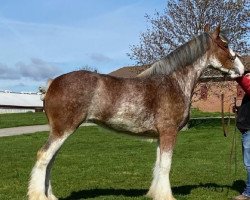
(237, 71)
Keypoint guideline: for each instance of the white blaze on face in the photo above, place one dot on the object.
(239, 67)
(236, 71)
(231, 52)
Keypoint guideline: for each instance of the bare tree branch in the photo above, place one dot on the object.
(183, 19)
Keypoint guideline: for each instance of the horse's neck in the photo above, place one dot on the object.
(188, 76)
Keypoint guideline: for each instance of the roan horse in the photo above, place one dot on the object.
(156, 103)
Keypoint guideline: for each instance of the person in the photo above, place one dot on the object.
(243, 124)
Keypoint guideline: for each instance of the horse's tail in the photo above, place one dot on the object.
(44, 89)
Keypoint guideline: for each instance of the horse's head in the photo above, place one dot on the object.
(221, 56)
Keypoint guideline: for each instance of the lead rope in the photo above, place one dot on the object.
(233, 152)
(225, 131)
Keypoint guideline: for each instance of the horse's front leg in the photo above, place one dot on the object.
(160, 188)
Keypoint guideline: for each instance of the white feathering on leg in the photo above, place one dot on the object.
(151, 192)
(160, 188)
(37, 186)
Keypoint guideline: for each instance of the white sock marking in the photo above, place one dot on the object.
(38, 174)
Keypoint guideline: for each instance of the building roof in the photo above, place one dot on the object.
(129, 71)
(8, 98)
(210, 73)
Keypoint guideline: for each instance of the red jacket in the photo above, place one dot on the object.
(244, 82)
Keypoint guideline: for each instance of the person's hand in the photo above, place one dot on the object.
(235, 109)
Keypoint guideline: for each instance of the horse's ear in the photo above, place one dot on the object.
(216, 32)
(207, 28)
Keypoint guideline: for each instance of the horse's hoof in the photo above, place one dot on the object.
(37, 196)
(52, 197)
(150, 194)
(160, 197)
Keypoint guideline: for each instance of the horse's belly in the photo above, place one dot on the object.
(133, 126)
(130, 125)
(128, 116)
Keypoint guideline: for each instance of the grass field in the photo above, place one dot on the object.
(99, 164)
(22, 119)
(195, 113)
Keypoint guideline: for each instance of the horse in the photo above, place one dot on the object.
(155, 104)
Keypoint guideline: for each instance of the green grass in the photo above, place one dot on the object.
(99, 164)
(195, 113)
(22, 119)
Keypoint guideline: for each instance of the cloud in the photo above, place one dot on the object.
(38, 69)
(8, 73)
(101, 58)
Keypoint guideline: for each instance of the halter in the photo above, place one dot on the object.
(232, 58)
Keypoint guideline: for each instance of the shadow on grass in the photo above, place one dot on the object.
(238, 186)
(85, 194)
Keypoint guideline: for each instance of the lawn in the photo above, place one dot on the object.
(196, 113)
(22, 119)
(95, 163)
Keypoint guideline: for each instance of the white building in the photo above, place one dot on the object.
(12, 102)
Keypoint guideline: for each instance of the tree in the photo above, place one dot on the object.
(88, 68)
(184, 19)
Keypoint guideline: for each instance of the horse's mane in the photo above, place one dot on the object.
(183, 56)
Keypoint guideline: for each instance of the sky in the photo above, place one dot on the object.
(43, 39)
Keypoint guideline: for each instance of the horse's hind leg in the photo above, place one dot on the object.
(39, 185)
(48, 188)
